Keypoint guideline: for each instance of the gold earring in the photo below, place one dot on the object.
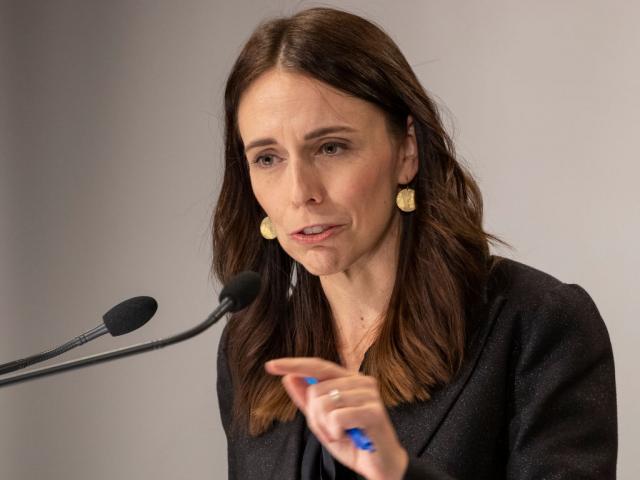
(406, 199)
(267, 230)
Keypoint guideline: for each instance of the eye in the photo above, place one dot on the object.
(332, 148)
(266, 160)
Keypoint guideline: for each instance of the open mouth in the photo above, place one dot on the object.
(315, 233)
(315, 229)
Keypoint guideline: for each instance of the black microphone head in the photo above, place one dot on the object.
(241, 289)
(130, 315)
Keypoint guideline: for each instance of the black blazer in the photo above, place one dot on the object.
(535, 398)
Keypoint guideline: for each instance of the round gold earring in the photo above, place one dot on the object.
(406, 199)
(267, 230)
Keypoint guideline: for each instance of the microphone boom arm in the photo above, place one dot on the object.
(226, 304)
(54, 352)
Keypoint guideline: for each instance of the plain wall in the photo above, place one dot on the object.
(111, 160)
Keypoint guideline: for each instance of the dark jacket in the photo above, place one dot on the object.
(535, 398)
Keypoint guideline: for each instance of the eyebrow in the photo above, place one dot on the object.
(319, 132)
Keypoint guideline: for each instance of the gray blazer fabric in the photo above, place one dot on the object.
(535, 398)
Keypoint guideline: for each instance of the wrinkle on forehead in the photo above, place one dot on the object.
(279, 96)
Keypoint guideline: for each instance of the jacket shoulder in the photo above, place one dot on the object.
(512, 279)
(536, 300)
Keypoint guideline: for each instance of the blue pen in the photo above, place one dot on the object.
(358, 437)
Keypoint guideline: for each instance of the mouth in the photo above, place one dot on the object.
(315, 233)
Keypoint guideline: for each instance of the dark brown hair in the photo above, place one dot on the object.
(444, 251)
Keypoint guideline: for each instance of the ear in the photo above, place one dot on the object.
(408, 160)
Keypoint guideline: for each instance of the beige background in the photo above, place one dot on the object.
(110, 147)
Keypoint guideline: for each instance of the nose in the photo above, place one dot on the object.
(305, 185)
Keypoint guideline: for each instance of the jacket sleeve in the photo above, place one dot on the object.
(562, 419)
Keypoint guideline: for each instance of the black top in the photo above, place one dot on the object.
(535, 397)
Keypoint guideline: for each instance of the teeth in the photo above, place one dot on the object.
(314, 230)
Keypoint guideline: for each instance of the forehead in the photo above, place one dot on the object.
(280, 99)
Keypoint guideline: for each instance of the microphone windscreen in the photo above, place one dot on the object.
(130, 315)
(241, 289)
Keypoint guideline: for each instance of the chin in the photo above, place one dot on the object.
(318, 261)
(321, 267)
(321, 272)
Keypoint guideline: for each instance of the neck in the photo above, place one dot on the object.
(359, 298)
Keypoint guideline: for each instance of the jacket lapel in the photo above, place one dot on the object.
(416, 423)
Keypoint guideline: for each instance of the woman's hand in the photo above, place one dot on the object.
(356, 405)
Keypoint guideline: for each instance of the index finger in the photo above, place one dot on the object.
(306, 367)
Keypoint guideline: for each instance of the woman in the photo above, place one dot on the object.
(341, 188)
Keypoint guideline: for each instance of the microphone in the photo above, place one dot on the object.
(236, 295)
(125, 317)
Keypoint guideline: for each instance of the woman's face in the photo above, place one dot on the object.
(325, 169)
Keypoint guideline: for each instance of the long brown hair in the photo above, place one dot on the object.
(444, 251)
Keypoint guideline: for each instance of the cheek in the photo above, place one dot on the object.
(264, 192)
(367, 190)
